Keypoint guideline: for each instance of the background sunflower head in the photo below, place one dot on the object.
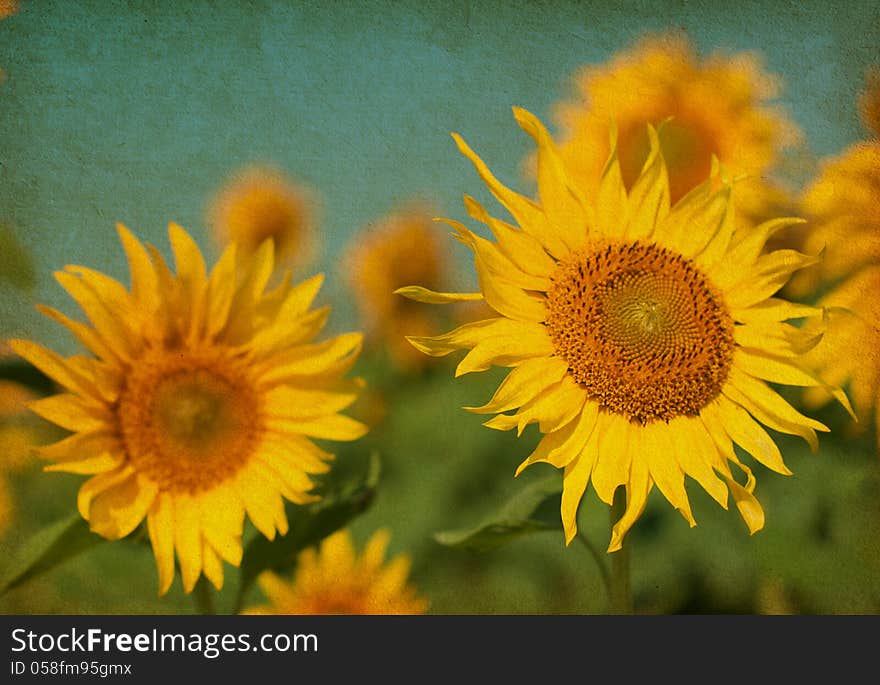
(261, 202)
(664, 82)
(334, 579)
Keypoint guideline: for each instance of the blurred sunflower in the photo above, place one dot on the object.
(8, 8)
(842, 204)
(334, 580)
(18, 436)
(261, 202)
(199, 404)
(640, 336)
(869, 103)
(19, 432)
(708, 108)
(402, 248)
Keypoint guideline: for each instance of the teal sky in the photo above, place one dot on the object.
(137, 111)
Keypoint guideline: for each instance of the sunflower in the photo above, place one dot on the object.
(402, 248)
(198, 403)
(641, 336)
(8, 8)
(842, 203)
(261, 202)
(869, 102)
(334, 580)
(714, 107)
(20, 431)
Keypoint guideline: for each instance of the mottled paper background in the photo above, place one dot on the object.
(137, 112)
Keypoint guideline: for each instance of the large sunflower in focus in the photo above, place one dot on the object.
(198, 402)
(640, 336)
(718, 107)
(333, 579)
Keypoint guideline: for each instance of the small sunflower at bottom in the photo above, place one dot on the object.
(333, 579)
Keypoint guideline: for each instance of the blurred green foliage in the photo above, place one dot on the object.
(442, 470)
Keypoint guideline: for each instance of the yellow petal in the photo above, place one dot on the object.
(562, 446)
(188, 539)
(329, 427)
(638, 487)
(221, 290)
(769, 274)
(656, 448)
(777, 338)
(71, 412)
(574, 483)
(277, 590)
(144, 283)
(770, 408)
(105, 461)
(612, 208)
(79, 445)
(287, 471)
(374, 552)
(316, 359)
(108, 325)
(261, 500)
(496, 264)
(211, 565)
(95, 485)
(721, 229)
(614, 458)
(526, 213)
(222, 521)
(746, 247)
(192, 274)
(563, 203)
(749, 507)
(649, 197)
(695, 452)
(118, 510)
(522, 249)
(54, 366)
(524, 383)
(778, 370)
(508, 299)
(748, 434)
(774, 309)
(420, 294)
(532, 341)
(86, 335)
(297, 403)
(160, 526)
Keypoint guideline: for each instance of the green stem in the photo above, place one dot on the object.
(203, 596)
(600, 562)
(621, 590)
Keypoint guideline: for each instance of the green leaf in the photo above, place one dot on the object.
(16, 268)
(533, 509)
(309, 525)
(49, 548)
